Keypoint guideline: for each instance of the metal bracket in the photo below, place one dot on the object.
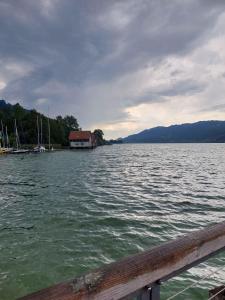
(155, 291)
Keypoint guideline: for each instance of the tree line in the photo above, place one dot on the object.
(27, 125)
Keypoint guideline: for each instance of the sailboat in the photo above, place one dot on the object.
(1, 142)
(8, 148)
(5, 147)
(1, 148)
(50, 148)
(40, 147)
(18, 149)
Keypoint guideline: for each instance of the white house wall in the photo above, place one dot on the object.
(80, 144)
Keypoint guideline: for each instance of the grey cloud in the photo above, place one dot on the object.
(218, 107)
(185, 87)
(76, 43)
(161, 94)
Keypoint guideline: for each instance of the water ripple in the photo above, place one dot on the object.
(74, 211)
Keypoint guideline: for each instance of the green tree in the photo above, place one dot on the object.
(99, 137)
(71, 122)
(27, 125)
(59, 119)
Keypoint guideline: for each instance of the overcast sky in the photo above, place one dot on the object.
(122, 66)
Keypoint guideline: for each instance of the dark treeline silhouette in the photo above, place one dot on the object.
(27, 124)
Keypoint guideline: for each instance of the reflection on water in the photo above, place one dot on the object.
(67, 212)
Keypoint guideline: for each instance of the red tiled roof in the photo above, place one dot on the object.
(79, 135)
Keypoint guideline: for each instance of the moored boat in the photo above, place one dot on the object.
(50, 148)
(4, 140)
(18, 149)
(39, 148)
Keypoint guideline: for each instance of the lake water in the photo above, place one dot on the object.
(67, 212)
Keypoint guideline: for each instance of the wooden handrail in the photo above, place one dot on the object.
(124, 277)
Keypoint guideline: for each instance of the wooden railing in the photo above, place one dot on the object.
(140, 275)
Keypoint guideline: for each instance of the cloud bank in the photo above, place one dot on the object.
(119, 65)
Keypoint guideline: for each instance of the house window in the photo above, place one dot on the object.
(80, 140)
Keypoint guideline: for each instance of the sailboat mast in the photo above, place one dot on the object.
(0, 139)
(3, 137)
(17, 136)
(38, 133)
(49, 132)
(7, 137)
(41, 132)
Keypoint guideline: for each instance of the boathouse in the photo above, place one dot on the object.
(82, 140)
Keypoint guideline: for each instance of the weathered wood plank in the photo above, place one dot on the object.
(119, 279)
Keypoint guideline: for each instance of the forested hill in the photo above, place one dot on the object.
(27, 124)
(200, 132)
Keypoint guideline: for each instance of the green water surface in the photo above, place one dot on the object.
(67, 212)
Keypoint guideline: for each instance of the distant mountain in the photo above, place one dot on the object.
(200, 132)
